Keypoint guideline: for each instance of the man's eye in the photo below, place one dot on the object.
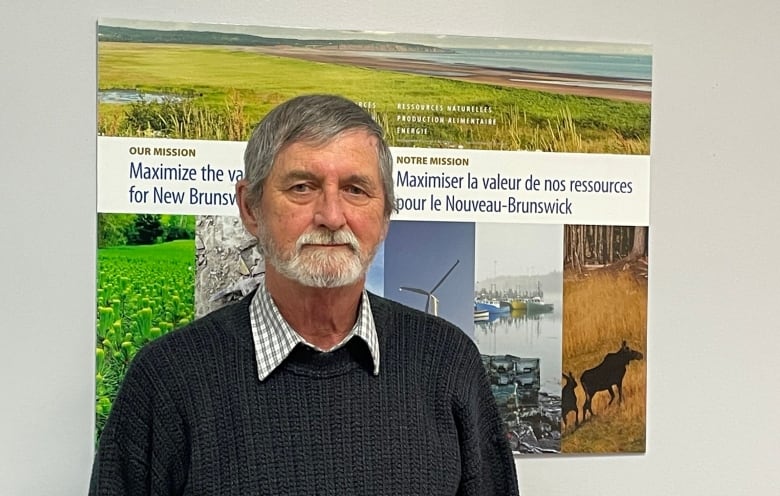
(300, 188)
(354, 190)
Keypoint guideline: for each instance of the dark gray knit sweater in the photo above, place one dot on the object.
(193, 418)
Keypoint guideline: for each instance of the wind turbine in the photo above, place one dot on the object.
(432, 304)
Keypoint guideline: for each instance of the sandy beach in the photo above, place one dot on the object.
(551, 82)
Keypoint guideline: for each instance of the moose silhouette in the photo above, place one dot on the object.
(608, 373)
(569, 399)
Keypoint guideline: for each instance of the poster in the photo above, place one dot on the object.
(522, 184)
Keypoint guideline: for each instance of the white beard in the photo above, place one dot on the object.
(318, 267)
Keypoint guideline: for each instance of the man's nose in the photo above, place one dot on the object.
(330, 210)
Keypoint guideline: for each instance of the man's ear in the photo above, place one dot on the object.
(247, 209)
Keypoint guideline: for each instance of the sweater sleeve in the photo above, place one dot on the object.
(143, 448)
(487, 465)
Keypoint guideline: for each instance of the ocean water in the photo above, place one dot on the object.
(134, 96)
(618, 66)
(528, 336)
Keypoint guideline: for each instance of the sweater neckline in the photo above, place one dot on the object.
(307, 361)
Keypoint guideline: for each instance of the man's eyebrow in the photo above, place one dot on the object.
(361, 180)
(298, 175)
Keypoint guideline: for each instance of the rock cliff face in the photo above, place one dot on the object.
(228, 262)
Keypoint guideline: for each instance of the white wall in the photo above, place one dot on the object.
(713, 340)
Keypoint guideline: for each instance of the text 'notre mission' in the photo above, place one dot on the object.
(425, 160)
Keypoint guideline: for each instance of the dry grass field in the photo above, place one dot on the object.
(600, 311)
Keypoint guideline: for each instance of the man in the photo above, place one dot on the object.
(310, 385)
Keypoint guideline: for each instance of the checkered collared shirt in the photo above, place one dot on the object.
(275, 339)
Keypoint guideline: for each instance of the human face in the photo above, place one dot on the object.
(321, 215)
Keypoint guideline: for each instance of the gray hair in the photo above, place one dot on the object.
(315, 119)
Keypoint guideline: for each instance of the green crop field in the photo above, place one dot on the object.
(226, 90)
(142, 293)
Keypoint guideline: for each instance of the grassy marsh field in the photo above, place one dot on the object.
(226, 90)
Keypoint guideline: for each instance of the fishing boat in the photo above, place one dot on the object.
(538, 305)
(492, 306)
(517, 304)
(481, 315)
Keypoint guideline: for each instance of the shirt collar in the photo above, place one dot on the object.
(274, 338)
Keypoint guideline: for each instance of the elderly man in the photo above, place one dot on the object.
(310, 385)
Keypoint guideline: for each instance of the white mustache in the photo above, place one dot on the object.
(328, 237)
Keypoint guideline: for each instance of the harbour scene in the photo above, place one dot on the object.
(521, 349)
(518, 327)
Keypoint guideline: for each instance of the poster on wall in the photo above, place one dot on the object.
(521, 171)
